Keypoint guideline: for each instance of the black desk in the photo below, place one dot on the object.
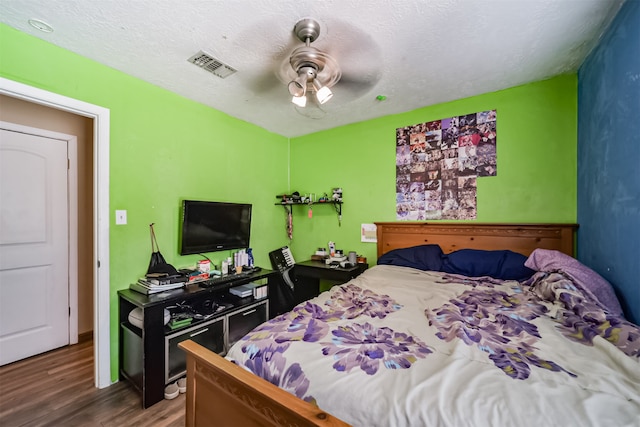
(308, 274)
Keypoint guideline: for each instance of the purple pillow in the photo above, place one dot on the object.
(504, 264)
(548, 260)
(423, 257)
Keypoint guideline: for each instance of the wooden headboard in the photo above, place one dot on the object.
(521, 238)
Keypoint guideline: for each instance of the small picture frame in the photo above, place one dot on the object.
(368, 233)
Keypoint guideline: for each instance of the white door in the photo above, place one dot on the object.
(34, 245)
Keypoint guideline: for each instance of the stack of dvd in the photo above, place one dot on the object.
(153, 286)
(243, 291)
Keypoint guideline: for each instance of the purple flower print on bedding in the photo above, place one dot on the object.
(581, 318)
(470, 281)
(353, 345)
(352, 301)
(318, 312)
(310, 323)
(368, 347)
(485, 314)
(501, 323)
(269, 363)
(515, 362)
(497, 323)
(265, 347)
(304, 323)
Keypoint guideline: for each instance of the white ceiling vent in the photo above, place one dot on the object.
(215, 66)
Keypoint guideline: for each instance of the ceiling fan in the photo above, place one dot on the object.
(316, 71)
(342, 56)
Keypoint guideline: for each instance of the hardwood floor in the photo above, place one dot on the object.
(56, 389)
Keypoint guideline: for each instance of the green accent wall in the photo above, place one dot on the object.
(536, 181)
(163, 148)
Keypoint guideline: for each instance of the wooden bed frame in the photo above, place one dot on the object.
(521, 238)
(220, 393)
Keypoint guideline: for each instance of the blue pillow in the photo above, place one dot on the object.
(505, 265)
(423, 257)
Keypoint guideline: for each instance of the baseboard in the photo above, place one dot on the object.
(85, 336)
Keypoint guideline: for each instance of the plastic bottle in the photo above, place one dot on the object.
(250, 257)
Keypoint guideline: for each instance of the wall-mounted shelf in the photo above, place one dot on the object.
(337, 205)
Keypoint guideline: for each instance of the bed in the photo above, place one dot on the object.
(427, 338)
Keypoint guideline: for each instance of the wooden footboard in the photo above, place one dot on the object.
(220, 393)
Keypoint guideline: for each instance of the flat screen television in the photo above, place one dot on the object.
(214, 226)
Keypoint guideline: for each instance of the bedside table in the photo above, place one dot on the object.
(308, 275)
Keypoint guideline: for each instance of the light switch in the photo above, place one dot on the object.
(121, 217)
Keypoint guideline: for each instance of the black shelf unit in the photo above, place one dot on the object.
(143, 358)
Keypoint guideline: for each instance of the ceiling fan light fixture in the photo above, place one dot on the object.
(300, 101)
(315, 70)
(323, 93)
(298, 86)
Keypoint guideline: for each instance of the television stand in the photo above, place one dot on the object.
(149, 357)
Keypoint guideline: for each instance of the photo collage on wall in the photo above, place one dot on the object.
(438, 162)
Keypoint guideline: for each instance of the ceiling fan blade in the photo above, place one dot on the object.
(265, 83)
(268, 75)
(355, 83)
(358, 56)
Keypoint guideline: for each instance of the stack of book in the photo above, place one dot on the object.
(150, 286)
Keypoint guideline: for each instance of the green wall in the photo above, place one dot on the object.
(163, 148)
(536, 181)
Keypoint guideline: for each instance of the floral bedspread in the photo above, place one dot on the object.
(398, 346)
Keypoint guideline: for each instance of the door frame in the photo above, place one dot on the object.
(101, 122)
(72, 215)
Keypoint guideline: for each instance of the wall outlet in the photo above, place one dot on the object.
(121, 217)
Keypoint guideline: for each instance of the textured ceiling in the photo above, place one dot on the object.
(414, 52)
